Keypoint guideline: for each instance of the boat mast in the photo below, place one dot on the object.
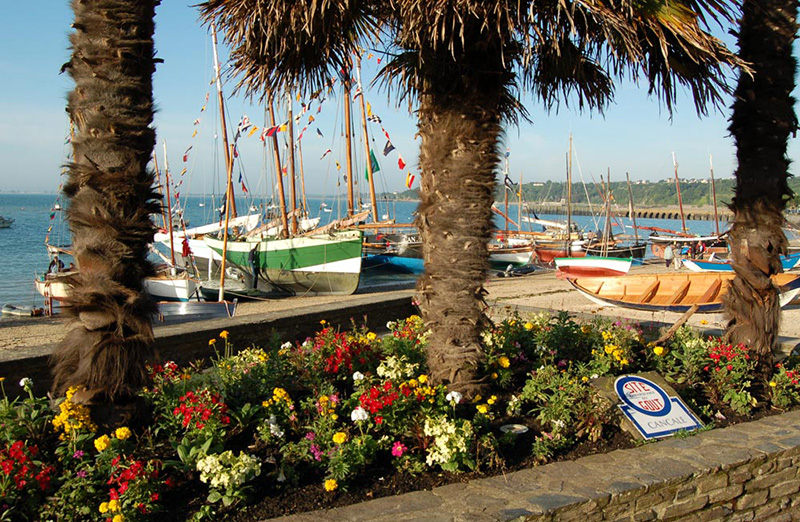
(714, 194)
(229, 170)
(303, 200)
(348, 144)
(678, 185)
(569, 199)
(290, 167)
(229, 198)
(169, 206)
(160, 191)
(519, 204)
(607, 231)
(370, 174)
(279, 172)
(633, 213)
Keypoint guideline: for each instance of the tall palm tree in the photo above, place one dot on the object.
(762, 119)
(465, 62)
(111, 197)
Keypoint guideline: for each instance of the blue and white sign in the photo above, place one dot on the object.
(654, 413)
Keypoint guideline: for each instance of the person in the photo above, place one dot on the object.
(669, 255)
(252, 258)
(56, 265)
(71, 267)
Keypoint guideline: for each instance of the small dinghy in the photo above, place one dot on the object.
(22, 310)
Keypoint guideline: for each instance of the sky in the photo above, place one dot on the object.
(635, 134)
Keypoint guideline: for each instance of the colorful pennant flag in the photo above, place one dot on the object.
(252, 131)
(320, 133)
(374, 163)
(400, 162)
(409, 180)
(325, 153)
(186, 154)
(388, 148)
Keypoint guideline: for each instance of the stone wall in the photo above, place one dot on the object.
(749, 471)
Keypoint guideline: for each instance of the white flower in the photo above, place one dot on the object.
(594, 376)
(286, 346)
(454, 397)
(26, 382)
(358, 376)
(281, 476)
(359, 414)
(274, 428)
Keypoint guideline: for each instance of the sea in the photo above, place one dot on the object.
(40, 217)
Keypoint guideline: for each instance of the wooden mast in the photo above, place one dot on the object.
(370, 174)
(519, 205)
(607, 232)
(714, 194)
(569, 199)
(290, 167)
(169, 206)
(680, 201)
(279, 172)
(303, 200)
(348, 143)
(160, 190)
(229, 169)
(633, 213)
(229, 198)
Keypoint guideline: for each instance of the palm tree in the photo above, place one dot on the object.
(465, 62)
(762, 119)
(111, 198)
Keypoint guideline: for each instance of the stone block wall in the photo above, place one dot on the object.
(749, 471)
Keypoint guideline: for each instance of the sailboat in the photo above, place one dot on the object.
(323, 261)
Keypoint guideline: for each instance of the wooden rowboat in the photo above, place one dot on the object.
(672, 292)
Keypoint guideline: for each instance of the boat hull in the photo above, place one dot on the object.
(637, 251)
(697, 265)
(326, 264)
(593, 266)
(672, 292)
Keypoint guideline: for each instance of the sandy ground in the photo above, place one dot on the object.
(540, 289)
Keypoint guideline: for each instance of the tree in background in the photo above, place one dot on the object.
(763, 117)
(111, 198)
(466, 62)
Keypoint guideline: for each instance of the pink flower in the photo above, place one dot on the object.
(398, 449)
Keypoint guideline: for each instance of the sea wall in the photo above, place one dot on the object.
(749, 471)
(648, 213)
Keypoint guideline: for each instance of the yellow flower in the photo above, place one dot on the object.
(494, 375)
(372, 336)
(101, 443)
(334, 416)
(212, 342)
(224, 334)
(529, 326)
(122, 433)
(658, 350)
(331, 484)
(104, 507)
(773, 384)
(503, 361)
(584, 379)
(340, 437)
(624, 362)
(118, 518)
(423, 378)
(703, 321)
(113, 505)
(2, 379)
(413, 383)
(323, 324)
(491, 400)
(482, 408)
(610, 348)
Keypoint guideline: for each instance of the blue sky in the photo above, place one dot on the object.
(635, 135)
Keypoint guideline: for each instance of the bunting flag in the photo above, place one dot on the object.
(271, 131)
(240, 177)
(194, 133)
(388, 148)
(508, 152)
(183, 171)
(357, 93)
(203, 108)
(508, 183)
(320, 133)
(369, 109)
(311, 118)
(373, 119)
(325, 153)
(186, 154)
(283, 170)
(282, 128)
(197, 121)
(373, 161)
(400, 162)
(338, 167)
(252, 131)
(244, 188)
(379, 61)
(369, 56)
(409, 180)
(235, 151)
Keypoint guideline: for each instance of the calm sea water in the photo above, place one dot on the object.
(23, 254)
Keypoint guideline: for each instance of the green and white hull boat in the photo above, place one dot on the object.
(322, 264)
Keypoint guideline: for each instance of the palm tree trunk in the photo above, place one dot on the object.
(460, 130)
(762, 119)
(111, 199)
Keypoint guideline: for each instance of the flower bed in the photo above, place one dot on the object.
(347, 415)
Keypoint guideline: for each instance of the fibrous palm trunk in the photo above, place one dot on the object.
(459, 122)
(111, 198)
(762, 119)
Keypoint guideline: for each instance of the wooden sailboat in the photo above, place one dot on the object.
(672, 292)
(610, 246)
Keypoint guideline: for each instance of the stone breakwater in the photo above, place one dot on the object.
(689, 213)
